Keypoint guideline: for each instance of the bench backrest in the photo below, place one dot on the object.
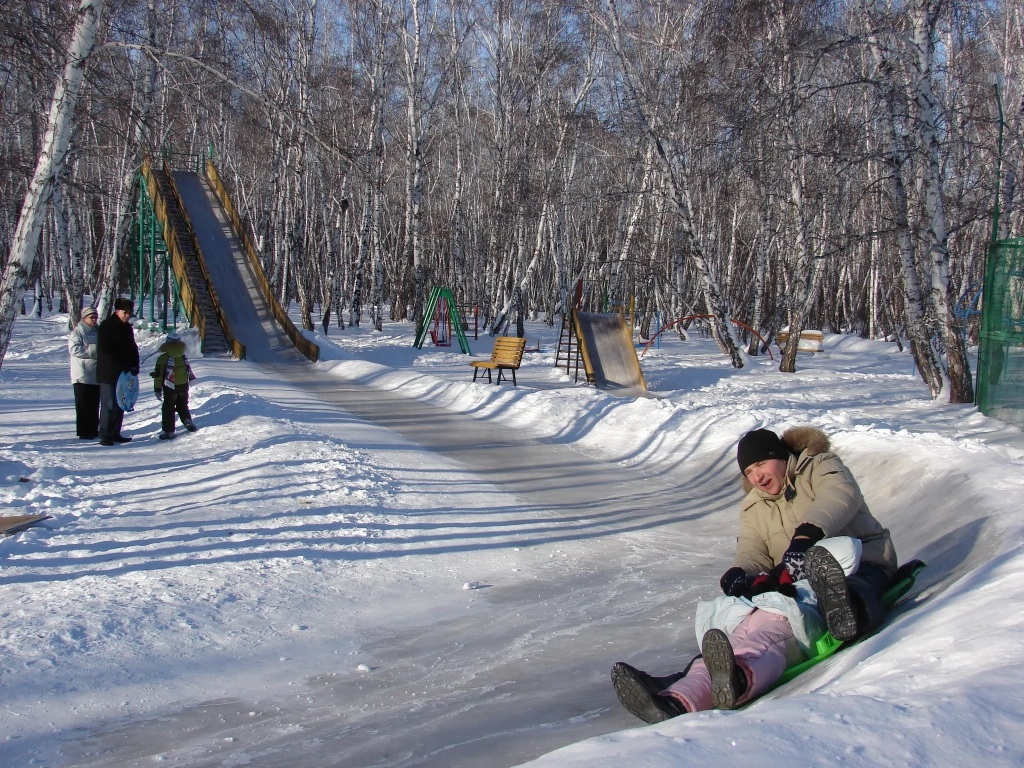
(508, 350)
(807, 335)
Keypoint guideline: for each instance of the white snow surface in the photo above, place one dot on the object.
(296, 585)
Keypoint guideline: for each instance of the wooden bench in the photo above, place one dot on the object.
(810, 341)
(507, 355)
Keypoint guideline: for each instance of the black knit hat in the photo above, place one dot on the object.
(760, 445)
(124, 304)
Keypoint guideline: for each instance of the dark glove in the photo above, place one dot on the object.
(735, 582)
(159, 394)
(134, 371)
(805, 537)
(776, 580)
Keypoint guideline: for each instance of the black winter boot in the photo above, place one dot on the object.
(640, 693)
(826, 577)
(728, 681)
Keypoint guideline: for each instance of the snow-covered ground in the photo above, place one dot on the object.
(296, 585)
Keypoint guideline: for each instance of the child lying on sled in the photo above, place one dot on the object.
(747, 644)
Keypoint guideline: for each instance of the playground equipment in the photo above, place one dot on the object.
(999, 391)
(1000, 385)
(603, 344)
(250, 262)
(189, 223)
(154, 285)
(440, 317)
(196, 292)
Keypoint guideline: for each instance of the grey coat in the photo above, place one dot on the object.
(82, 348)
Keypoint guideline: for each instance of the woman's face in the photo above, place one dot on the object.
(768, 475)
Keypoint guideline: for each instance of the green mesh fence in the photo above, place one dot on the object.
(1000, 389)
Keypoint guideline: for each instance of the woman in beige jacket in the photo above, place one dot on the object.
(795, 481)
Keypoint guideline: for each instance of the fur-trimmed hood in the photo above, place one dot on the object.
(819, 490)
(800, 439)
(810, 439)
(173, 347)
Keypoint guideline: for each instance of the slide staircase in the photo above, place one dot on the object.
(568, 354)
(197, 292)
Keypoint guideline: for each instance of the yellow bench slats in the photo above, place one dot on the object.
(507, 356)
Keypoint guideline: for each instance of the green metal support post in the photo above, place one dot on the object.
(981, 377)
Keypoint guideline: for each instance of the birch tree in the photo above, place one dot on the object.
(894, 159)
(561, 117)
(372, 31)
(54, 150)
(672, 162)
(131, 161)
(423, 90)
(789, 33)
(910, 114)
(924, 16)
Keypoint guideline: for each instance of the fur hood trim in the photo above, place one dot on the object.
(798, 440)
(173, 347)
(810, 439)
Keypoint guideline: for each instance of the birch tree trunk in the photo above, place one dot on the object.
(363, 251)
(894, 157)
(760, 271)
(415, 137)
(550, 173)
(924, 17)
(372, 162)
(54, 150)
(803, 283)
(69, 252)
(627, 228)
(457, 234)
(715, 301)
(298, 226)
(377, 297)
(131, 162)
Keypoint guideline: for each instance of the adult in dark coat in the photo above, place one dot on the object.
(117, 353)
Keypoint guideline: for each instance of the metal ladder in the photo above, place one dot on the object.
(568, 347)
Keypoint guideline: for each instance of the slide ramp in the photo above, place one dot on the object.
(196, 292)
(609, 356)
(246, 308)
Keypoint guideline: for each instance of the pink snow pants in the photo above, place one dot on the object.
(764, 646)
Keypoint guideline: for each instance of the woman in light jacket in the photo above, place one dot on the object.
(82, 349)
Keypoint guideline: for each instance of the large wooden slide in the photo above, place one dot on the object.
(244, 309)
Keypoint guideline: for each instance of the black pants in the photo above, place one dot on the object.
(111, 415)
(867, 586)
(175, 401)
(87, 410)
